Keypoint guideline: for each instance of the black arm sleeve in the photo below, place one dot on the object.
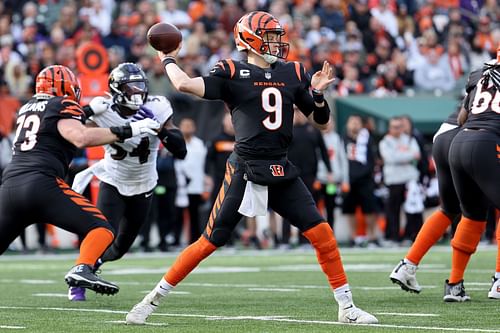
(173, 140)
(88, 111)
(321, 115)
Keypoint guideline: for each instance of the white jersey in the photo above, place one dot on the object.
(130, 166)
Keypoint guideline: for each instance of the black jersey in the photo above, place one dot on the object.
(38, 145)
(483, 103)
(261, 102)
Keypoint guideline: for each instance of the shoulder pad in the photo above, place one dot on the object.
(224, 68)
(473, 79)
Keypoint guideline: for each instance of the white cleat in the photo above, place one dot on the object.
(139, 313)
(354, 315)
(494, 292)
(404, 274)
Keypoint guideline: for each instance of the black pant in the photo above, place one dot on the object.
(163, 213)
(286, 226)
(291, 199)
(475, 167)
(393, 210)
(447, 193)
(36, 197)
(126, 213)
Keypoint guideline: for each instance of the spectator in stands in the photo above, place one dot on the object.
(350, 84)
(175, 16)
(387, 82)
(400, 154)
(386, 17)
(434, 74)
(331, 14)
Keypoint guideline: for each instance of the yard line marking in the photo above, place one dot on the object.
(272, 289)
(388, 288)
(124, 323)
(407, 314)
(12, 327)
(37, 281)
(262, 318)
(170, 292)
(49, 295)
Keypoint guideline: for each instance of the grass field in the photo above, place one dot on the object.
(247, 291)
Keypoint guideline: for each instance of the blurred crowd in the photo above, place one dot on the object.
(381, 47)
(378, 47)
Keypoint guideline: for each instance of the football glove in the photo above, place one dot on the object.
(144, 126)
(143, 113)
(99, 105)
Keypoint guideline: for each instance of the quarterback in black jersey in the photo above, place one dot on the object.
(260, 94)
(437, 224)
(49, 130)
(475, 165)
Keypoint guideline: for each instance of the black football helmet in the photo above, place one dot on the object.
(129, 87)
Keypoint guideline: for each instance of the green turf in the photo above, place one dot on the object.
(221, 298)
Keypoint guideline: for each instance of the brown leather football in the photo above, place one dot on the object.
(164, 37)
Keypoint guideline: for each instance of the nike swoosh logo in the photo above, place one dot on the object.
(148, 194)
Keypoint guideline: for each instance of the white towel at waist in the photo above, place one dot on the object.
(83, 178)
(254, 202)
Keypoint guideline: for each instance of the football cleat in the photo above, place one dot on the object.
(76, 294)
(494, 292)
(139, 313)
(354, 315)
(404, 274)
(83, 276)
(455, 292)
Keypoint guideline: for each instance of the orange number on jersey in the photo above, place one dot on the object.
(272, 122)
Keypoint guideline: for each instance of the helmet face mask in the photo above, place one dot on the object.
(129, 88)
(261, 33)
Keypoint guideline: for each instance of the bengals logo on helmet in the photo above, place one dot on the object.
(249, 33)
(58, 80)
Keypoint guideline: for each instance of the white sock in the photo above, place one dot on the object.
(163, 287)
(497, 275)
(406, 261)
(343, 296)
(161, 290)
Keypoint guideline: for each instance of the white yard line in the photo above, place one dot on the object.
(49, 295)
(273, 289)
(259, 318)
(12, 327)
(407, 314)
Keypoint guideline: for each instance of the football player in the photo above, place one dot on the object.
(475, 163)
(49, 131)
(435, 225)
(260, 93)
(128, 171)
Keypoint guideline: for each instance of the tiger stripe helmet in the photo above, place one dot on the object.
(58, 80)
(249, 34)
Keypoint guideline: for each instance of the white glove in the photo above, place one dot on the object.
(146, 125)
(99, 105)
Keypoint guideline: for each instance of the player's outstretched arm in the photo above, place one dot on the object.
(81, 136)
(173, 140)
(320, 81)
(181, 81)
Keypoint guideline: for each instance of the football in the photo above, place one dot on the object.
(164, 37)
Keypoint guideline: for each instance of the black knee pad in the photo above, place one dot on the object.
(219, 236)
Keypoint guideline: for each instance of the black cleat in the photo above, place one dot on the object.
(455, 292)
(83, 276)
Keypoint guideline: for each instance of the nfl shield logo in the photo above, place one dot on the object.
(267, 75)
